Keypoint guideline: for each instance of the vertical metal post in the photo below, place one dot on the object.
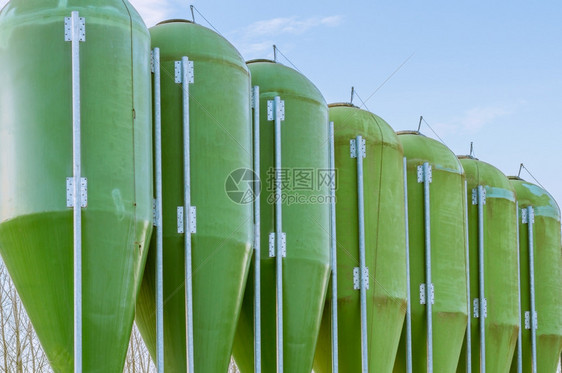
(519, 334)
(158, 212)
(469, 312)
(333, 250)
(428, 281)
(75, 38)
(278, 233)
(530, 221)
(257, 234)
(481, 287)
(362, 267)
(187, 211)
(409, 294)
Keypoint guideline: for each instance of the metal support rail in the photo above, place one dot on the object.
(409, 294)
(360, 153)
(519, 333)
(75, 32)
(257, 233)
(469, 312)
(333, 249)
(481, 285)
(158, 211)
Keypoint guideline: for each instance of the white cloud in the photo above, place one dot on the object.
(289, 25)
(472, 120)
(257, 39)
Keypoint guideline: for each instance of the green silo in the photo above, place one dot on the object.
(36, 147)
(221, 247)
(305, 215)
(498, 218)
(385, 244)
(547, 275)
(447, 237)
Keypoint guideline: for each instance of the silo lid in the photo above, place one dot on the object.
(409, 132)
(467, 157)
(260, 60)
(175, 20)
(343, 104)
(515, 178)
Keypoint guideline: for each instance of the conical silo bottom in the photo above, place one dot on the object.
(304, 290)
(38, 252)
(500, 343)
(220, 268)
(384, 324)
(448, 335)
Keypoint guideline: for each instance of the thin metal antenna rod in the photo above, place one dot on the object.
(192, 13)
(274, 53)
(333, 249)
(257, 234)
(419, 125)
(471, 149)
(158, 212)
(520, 168)
(352, 95)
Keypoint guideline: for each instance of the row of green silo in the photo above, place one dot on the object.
(278, 239)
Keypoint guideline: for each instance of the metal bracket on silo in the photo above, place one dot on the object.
(528, 320)
(525, 215)
(476, 307)
(70, 192)
(179, 72)
(357, 278)
(75, 32)
(422, 177)
(475, 196)
(423, 293)
(272, 113)
(272, 253)
(192, 219)
(353, 148)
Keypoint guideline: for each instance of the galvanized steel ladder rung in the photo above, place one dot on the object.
(333, 249)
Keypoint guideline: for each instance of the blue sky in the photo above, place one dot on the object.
(482, 71)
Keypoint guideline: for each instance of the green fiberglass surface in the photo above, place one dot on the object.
(385, 244)
(36, 234)
(448, 254)
(221, 248)
(500, 266)
(305, 222)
